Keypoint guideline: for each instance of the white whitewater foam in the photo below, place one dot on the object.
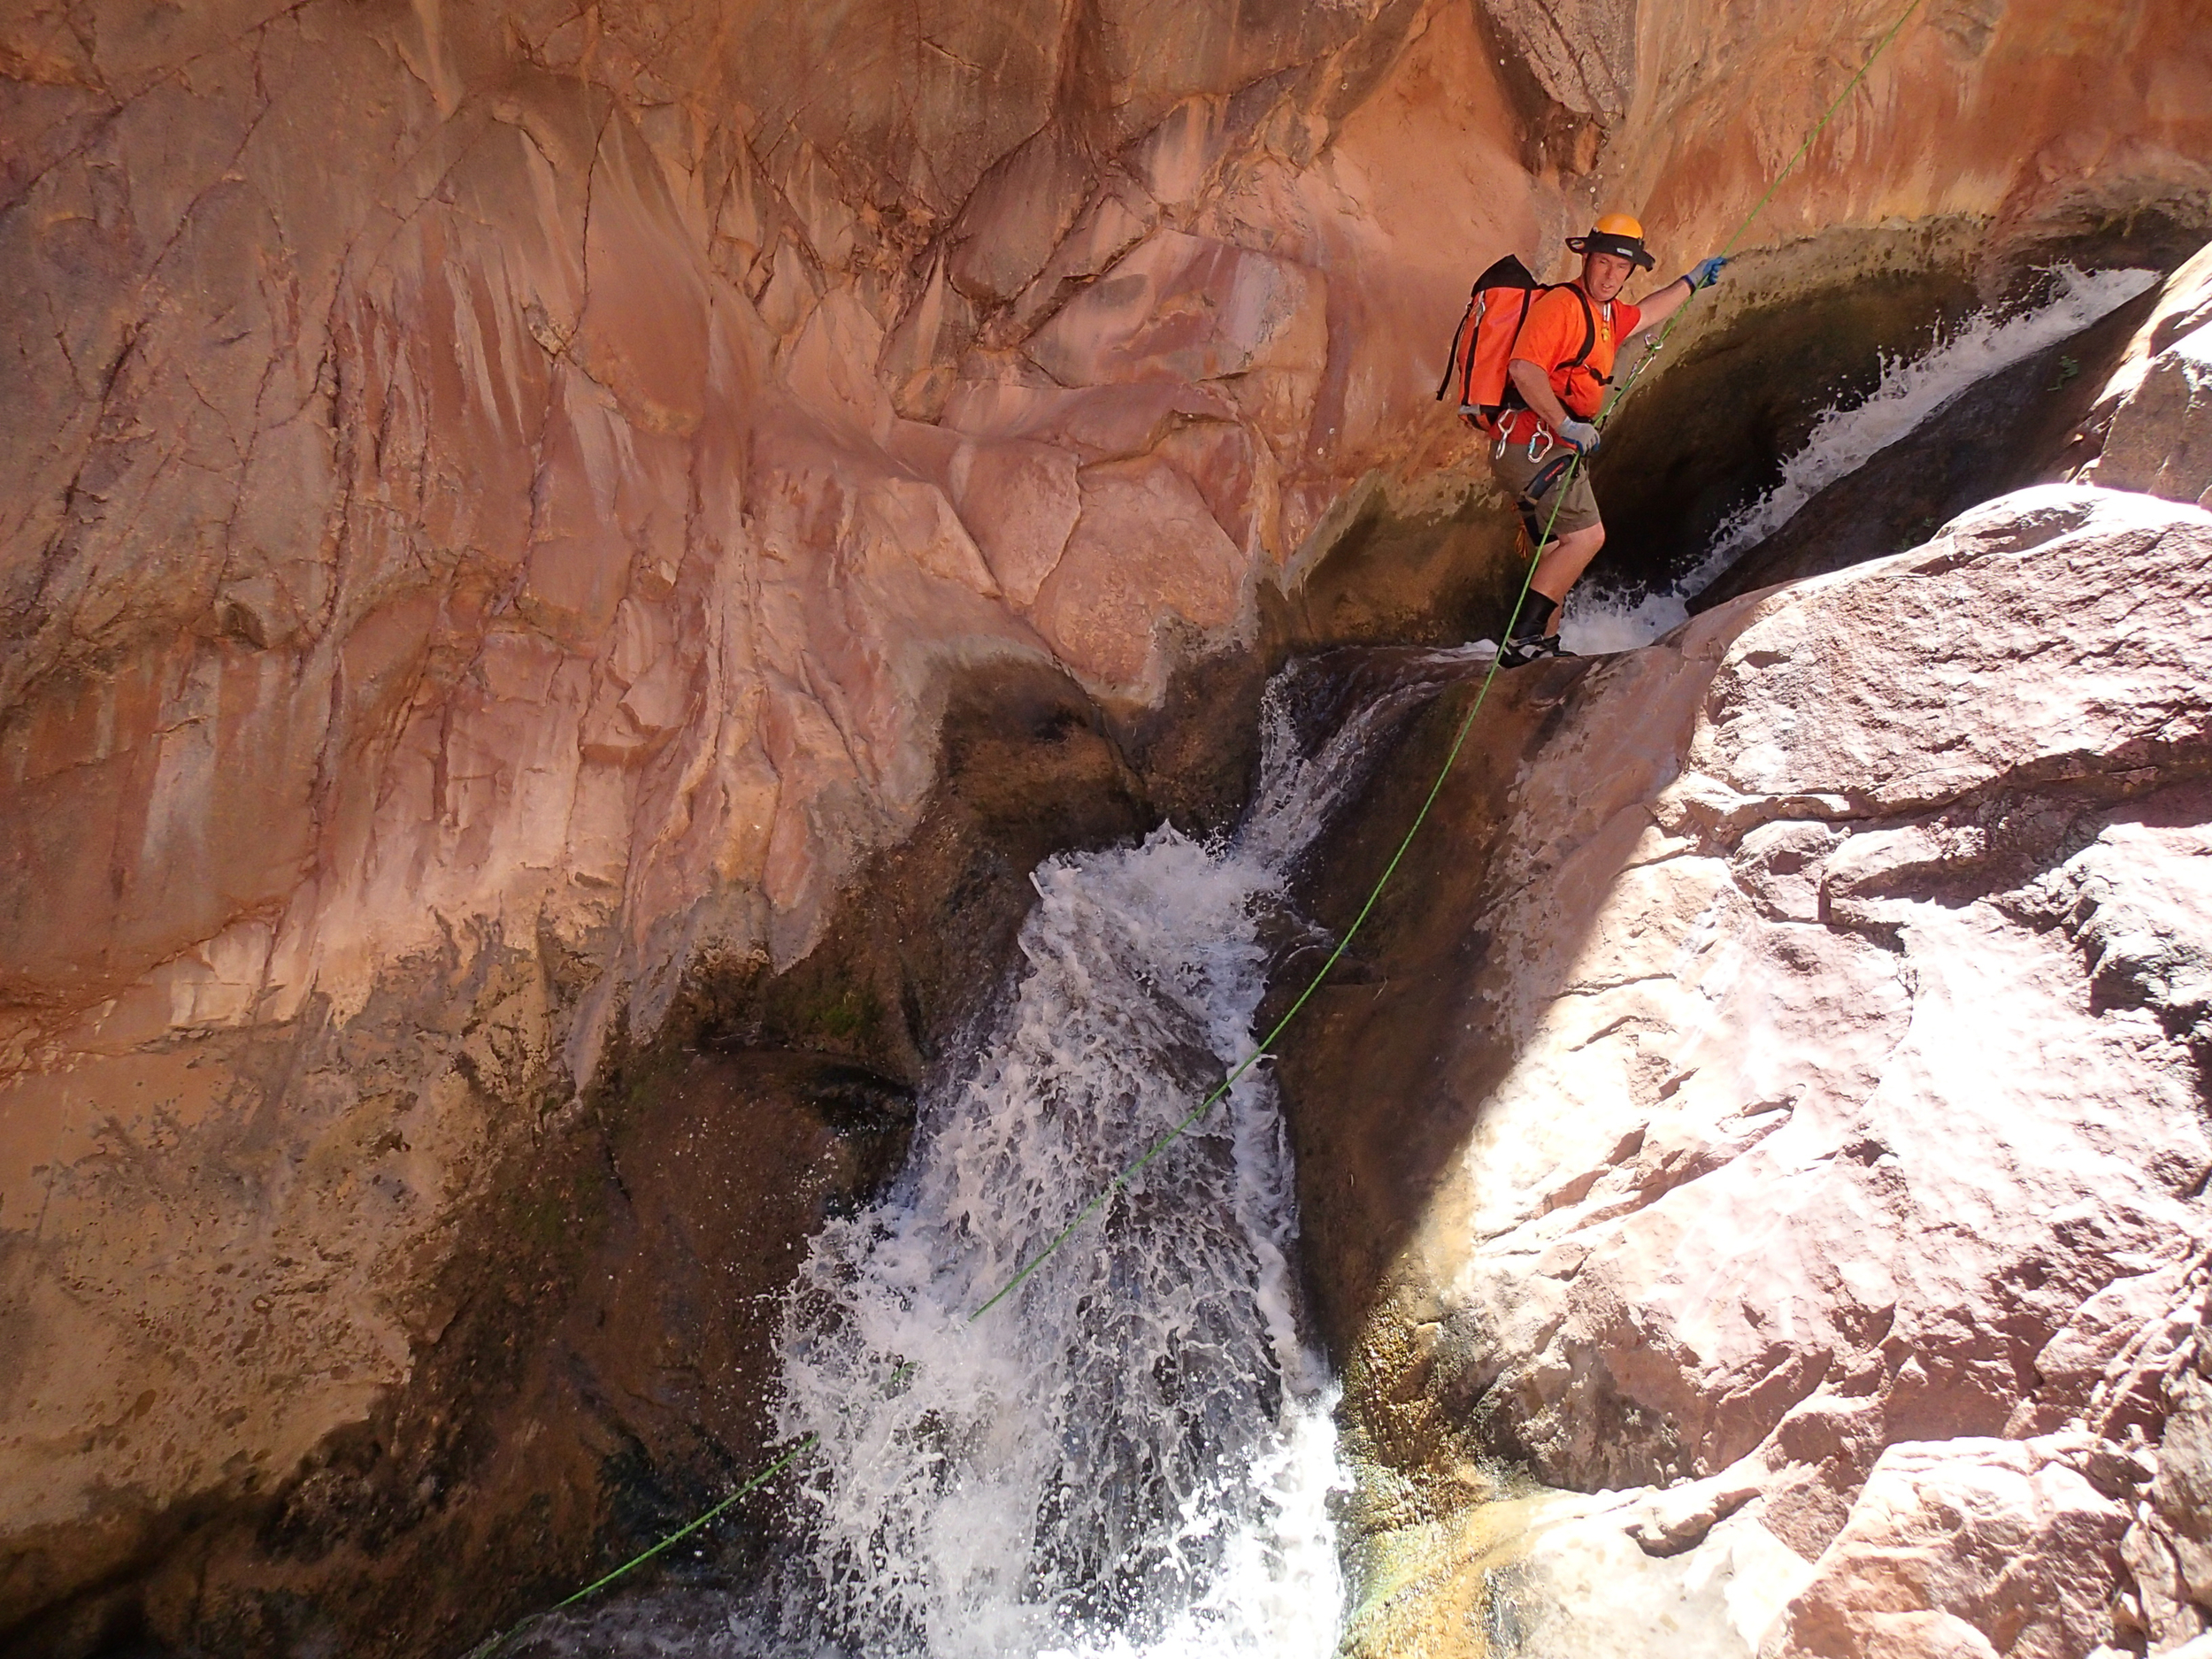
(1132, 1456)
(1087, 1450)
(1845, 438)
(1597, 624)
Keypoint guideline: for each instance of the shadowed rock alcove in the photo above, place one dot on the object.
(1704, 434)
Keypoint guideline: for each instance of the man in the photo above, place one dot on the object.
(1562, 362)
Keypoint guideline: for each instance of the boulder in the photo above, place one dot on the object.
(2155, 414)
(1804, 1123)
(2161, 438)
(1965, 1546)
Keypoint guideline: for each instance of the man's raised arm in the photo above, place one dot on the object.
(1658, 306)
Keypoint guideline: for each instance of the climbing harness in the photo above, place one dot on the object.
(493, 1645)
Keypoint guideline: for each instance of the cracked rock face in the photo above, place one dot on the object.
(496, 496)
(1829, 1042)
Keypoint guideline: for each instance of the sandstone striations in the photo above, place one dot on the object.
(1812, 1137)
(498, 501)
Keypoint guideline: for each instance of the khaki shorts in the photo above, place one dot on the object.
(1578, 512)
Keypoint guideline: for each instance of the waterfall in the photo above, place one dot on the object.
(1852, 432)
(1134, 1453)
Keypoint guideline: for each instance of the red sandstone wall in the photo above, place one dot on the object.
(491, 494)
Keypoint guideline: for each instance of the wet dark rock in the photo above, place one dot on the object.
(2015, 429)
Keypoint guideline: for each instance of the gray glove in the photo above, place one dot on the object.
(1707, 273)
(1581, 434)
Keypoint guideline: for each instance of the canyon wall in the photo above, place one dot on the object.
(498, 500)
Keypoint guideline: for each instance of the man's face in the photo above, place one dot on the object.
(1604, 274)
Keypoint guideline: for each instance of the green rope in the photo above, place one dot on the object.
(485, 1650)
(1466, 725)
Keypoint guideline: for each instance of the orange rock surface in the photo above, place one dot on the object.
(493, 495)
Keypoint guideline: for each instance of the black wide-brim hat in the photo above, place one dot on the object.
(1608, 242)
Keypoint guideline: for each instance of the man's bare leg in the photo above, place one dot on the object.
(1563, 562)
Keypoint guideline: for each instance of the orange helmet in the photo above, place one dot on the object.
(1615, 233)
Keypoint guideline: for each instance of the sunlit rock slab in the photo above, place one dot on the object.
(1825, 1046)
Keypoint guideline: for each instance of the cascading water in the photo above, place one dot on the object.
(1133, 1452)
(1082, 1462)
(1846, 437)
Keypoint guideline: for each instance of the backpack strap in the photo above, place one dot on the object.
(1589, 328)
(1474, 299)
(1474, 339)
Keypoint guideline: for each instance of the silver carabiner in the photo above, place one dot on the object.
(1536, 454)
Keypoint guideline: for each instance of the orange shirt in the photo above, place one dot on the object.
(1553, 333)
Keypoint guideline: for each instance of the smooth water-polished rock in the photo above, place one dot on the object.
(1826, 1037)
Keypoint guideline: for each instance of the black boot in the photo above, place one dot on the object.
(1531, 638)
(1518, 652)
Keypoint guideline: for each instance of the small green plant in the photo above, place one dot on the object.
(2068, 370)
(847, 1016)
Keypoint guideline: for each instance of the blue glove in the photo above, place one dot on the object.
(1707, 273)
(1579, 435)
